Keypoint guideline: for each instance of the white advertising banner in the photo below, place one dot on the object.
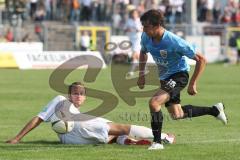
(212, 48)
(53, 59)
(196, 41)
(7, 50)
(209, 46)
(119, 45)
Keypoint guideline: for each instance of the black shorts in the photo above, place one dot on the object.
(174, 85)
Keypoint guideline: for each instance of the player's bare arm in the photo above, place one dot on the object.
(28, 127)
(199, 68)
(142, 63)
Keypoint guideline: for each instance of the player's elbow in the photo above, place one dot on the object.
(200, 59)
(203, 60)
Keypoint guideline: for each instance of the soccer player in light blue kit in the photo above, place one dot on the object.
(169, 53)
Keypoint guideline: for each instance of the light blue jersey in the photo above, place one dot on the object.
(169, 54)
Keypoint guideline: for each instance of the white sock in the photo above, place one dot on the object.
(134, 65)
(141, 132)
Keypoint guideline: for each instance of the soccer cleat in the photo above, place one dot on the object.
(221, 116)
(169, 139)
(156, 146)
(130, 74)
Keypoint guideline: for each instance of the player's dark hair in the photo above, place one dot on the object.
(153, 17)
(75, 84)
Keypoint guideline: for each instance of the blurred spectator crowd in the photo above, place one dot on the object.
(219, 12)
(114, 13)
(117, 11)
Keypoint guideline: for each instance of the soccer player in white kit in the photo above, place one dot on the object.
(91, 131)
(133, 27)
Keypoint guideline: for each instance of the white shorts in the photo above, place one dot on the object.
(136, 42)
(87, 132)
(136, 46)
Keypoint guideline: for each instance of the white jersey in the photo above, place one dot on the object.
(85, 132)
(135, 29)
(48, 113)
(134, 33)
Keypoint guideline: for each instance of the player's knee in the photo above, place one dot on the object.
(176, 116)
(154, 105)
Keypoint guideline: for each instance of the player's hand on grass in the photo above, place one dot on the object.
(12, 141)
(141, 81)
(192, 89)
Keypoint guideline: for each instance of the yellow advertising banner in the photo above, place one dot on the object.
(7, 60)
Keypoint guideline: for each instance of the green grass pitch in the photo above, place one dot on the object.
(23, 94)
